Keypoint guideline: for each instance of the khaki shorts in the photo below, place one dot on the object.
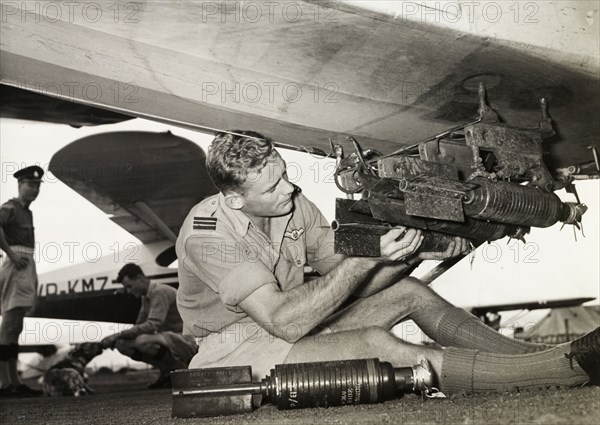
(18, 288)
(241, 344)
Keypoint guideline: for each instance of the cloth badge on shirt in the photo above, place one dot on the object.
(294, 234)
(205, 223)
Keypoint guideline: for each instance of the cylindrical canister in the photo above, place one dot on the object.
(336, 383)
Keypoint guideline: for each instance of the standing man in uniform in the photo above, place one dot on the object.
(242, 292)
(156, 337)
(18, 278)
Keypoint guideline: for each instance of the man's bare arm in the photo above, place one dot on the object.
(389, 273)
(385, 275)
(4, 245)
(19, 260)
(292, 314)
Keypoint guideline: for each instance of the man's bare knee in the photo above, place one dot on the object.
(409, 280)
(412, 290)
(412, 284)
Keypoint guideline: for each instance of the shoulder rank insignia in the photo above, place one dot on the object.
(294, 234)
(205, 223)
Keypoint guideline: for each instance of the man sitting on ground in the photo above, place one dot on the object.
(242, 291)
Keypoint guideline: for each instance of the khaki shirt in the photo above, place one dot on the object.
(17, 223)
(158, 312)
(224, 257)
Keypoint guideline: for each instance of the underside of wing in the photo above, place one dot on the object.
(531, 305)
(324, 72)
(147, 182)
(103, 306)
(29, 105)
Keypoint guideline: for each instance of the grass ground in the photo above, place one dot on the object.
(123, 399)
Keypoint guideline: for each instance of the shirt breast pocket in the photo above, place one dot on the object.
(25, 233)
(294, 252)
(25, 226)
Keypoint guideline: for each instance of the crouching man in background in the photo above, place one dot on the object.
(156, 337)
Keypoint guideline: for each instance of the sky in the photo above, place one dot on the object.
(551, 265)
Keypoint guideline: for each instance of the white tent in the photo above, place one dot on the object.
(562, 325)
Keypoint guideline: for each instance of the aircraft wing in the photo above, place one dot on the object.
(101, 305)
(302, 74)
(489, 314)
(480, 311)
(147, 182)
(29, 105)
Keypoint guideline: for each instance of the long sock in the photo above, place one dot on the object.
(12, 364)
(465, 370)
(5, 356)
(459, 328)
(14, 373)
(4, 374)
